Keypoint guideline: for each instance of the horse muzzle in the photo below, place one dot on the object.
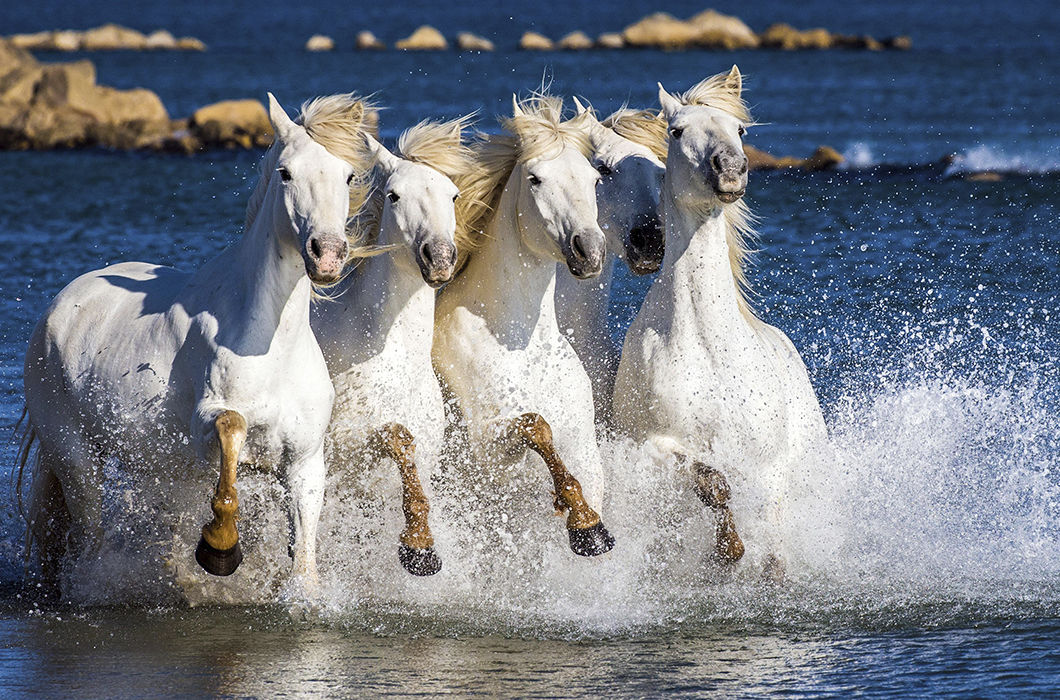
(437, 263)
(324, 258)
(585, 256)
(645, 246)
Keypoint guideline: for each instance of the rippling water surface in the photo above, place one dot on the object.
(924, 548)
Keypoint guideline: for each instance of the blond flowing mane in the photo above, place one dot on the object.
(641, 126)
(535, 130)
(336, 122)
(724, 91)
(440, 146)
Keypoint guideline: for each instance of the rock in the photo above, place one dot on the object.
(190, 43)
(575, 41)
(319, 42)
(610, 40)
(367, 41)
(824, 158)
(426, 38)
(466, 41)
(902, 43)
(984, 177)
(66, 40)
(532, 41)
(161, 40)
(719, 31)
(111, 37)
(787, 37)
(760, 160)
(660, 30)
(232, 123)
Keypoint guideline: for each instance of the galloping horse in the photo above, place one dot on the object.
(701, 377)
(169, 371)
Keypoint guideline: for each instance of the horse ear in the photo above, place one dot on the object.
(578, 106)
(734, 81)
(282, 124)
(379, 153)
(668, 102)
(517, 111)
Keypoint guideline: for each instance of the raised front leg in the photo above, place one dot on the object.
(416, 551)
(588, 536)
(713, 489)
(218, 551)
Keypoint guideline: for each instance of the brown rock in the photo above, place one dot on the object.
(66, 40)
(466, 41)
(575, 41)
(715, 30)
(232, 123)
(824, 158)
(784, 36)
(660, 30)
(367, 41)
(110, 37)
(319, 42)
(760, 160)
(426, 38)
(38, 41)
(610, 40)
(160, 40)
(532, 41)
(190, 43)
(902, 43)
(984, 177)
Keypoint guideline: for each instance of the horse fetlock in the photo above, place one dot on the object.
(397, 441)
(710, 485)
(728, 545)
(580, 516)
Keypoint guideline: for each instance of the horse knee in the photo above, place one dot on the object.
(533, 427)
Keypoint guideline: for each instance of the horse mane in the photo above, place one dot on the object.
(440, 146)
(717, 91)
(643, 126)
(336, 122)
(536, 130)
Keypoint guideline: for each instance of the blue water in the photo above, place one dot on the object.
(924, 303)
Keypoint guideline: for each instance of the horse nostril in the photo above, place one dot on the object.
(636, 237)
(576, 246)
(314, 248)
(425, 253)
(715, 162)
(743, 166)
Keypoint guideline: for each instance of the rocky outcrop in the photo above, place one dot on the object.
(718, 31)
(366, 41)
(610, 40)
(788, 38)
(824, 158)
(708, 29)
(426, 38)
(109, 37)
(575, 41)
(60, 106)
(532, 41)
(466, 41)
(319, 42)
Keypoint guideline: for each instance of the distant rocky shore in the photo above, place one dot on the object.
(707, 30)
(109, 37)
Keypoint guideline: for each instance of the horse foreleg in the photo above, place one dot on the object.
(588, 536)
(713, 489)
(305, 479)
(218, 551)
(416, 551)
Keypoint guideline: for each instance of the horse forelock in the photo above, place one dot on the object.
(642, 126)
(717, 92)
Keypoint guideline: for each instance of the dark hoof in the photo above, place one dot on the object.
(419, 562)
(591, 541)
(219, 562)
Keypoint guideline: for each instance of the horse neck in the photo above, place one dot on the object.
(381, 301)
(582, 304)
(696, 274)
(506, 283)
(264, 281)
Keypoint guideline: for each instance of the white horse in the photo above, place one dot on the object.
(701, 377)
(376, 332)
(497, 346)
(627, 201)
(167, 371)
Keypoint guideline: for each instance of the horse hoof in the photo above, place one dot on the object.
(219, 562)
(419, 562)
(591, 541)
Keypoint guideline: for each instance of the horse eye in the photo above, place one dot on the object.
(349, 180)
(392, 196)
(603, 169)
(676, 133)
(534, 180)
(285, 174)
(456, 196)
(741, 131)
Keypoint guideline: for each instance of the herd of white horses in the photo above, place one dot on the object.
(373, 288)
